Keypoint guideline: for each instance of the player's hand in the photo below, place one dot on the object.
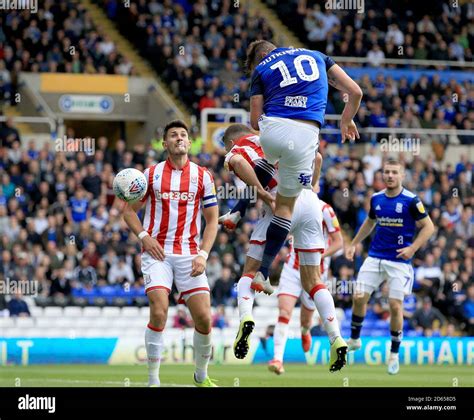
(350, 251)
(267, 199)
(198, 266)
(406, 253)
(152, 246)
(349, 130)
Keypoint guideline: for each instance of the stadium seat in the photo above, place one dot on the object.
(129, 311)
(145, 311)
(73, 311)
(111, 311)
(7, 322)
(92, 311)
(53, 311)
(24, 322)
(36, 311)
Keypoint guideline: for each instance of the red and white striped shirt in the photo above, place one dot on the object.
(250, 149)
(330, 225)
(174, 202)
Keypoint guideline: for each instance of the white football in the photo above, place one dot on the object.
(130, 185)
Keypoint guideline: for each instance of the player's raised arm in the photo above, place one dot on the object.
(150, 244)
(339, 79)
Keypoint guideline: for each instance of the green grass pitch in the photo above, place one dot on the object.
(296, 375)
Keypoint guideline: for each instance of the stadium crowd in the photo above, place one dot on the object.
(199, 50)
(60, 37)
(441, 32)
(60, 226)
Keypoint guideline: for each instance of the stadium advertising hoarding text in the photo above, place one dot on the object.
(179, 349)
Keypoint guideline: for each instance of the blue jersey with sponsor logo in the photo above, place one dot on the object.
(395, 227)
(293, 83)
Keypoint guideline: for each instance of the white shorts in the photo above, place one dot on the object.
(290, 285)
(293, 145)
(374, 271)
(161, 274)
(306, 228)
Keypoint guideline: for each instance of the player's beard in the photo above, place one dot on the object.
(394, 185)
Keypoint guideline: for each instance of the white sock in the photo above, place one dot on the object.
(245, 296)
(327, 311)
(304, 330)
(154, 348)
(280, 335)
(202, 353)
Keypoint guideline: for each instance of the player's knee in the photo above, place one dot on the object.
(158, 315)
(284, 313)
(203, 322)
(395, 307)
(358, 301)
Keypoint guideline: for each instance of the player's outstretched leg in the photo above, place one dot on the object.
(245, 298)
(262, 284)
(325, 305)
(277, 233)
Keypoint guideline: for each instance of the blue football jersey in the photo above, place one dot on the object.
(293, 83)
(396, 219)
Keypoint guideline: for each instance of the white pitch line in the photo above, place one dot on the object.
(85, 381)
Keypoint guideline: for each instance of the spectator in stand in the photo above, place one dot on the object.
(429, 277)
(120, 272)
(424, 318)
(61, 285)
(85, 274)
(469, 309)
(18, 307)
(181, 319)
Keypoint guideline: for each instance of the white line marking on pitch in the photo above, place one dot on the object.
(85, 381)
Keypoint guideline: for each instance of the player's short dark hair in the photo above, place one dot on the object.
(393, 161)
(174, 124)
(255, 50)
(235, 131)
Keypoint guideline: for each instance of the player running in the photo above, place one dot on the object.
(179, 191)
(289, 89)
(395, 213)
(290, 289)
(308, 243)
